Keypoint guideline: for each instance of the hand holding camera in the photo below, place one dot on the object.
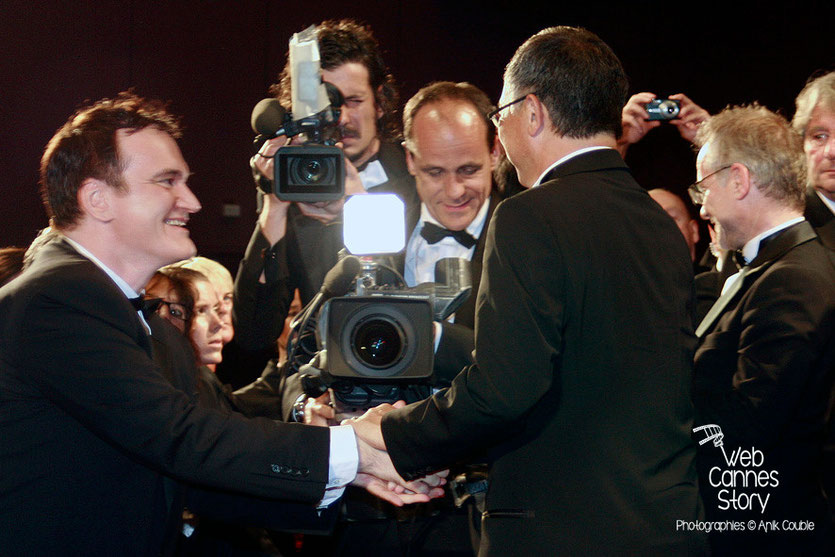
(645, 111)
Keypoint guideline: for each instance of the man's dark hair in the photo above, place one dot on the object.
(342, 41)
(447, 90)
(86, 147)
(576, 76)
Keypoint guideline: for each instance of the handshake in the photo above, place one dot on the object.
(376, 472)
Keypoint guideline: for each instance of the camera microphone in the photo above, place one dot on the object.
(268, 118)
(338, 280)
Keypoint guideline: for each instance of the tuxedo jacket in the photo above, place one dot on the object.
(820, 217)
(584, 349)
(91, 427)
(764, 373)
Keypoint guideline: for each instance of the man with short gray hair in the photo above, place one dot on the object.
(764, 369)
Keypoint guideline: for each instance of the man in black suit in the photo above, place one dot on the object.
(814, 119)
(90, 425)
(764, 369)
(451, 150)
(294, 245)
(583, 343)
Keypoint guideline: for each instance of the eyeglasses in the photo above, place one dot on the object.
(493, 116)
(176, 310)
(697, 191)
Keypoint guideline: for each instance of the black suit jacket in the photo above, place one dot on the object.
(820, 217)
(584, 348)
(90, 426)
(763, 373)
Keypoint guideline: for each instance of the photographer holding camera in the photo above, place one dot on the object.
(295, 244)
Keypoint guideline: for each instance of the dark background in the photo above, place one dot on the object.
(215, 59)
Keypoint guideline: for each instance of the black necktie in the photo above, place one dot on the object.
(433, 234)
(146, 305)
(739, 259)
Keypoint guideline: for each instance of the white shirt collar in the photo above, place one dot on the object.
(826, 201)
(752, 246)
(568, 157)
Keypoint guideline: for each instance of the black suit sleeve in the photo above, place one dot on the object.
(115, 391)
(259, 309)
(519, 327)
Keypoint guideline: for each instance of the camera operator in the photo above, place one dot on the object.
(294, 245)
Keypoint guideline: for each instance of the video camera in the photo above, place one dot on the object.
(375, 335)
(314, 170)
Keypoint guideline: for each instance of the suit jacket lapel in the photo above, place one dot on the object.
(592, 161)
(821, 218)
(62, 249)
(770, 251)
(466, 313)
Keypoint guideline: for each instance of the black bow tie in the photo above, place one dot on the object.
(146, 305)
(739, 259)
(433, 234)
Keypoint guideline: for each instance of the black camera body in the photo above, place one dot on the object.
(309, 173)
(379, 338)
(663, 109)
(377, 344)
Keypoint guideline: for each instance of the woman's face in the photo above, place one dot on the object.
(170, 309)
(223, 288)
(206, 326)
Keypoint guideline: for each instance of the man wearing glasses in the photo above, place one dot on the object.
(583, 343)
(764, 369)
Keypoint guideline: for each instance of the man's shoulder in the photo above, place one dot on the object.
(809, 259)
(392, 156)
(58, 276)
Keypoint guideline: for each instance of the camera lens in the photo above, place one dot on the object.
(669, 108)
(378, 342)
(311, 170)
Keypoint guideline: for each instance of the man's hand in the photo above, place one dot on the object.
(634, 121)
(690, 117)
(319, 411)
(328, 211)
(376, 471)
(636, 126)
(273, 217)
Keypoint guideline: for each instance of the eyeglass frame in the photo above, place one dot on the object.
(186, 312)
(493, 114)
(697, 192)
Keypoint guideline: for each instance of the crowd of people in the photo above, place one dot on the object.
(604, 389)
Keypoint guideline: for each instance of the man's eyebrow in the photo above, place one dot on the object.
(171, 173)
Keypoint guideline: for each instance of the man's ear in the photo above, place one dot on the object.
(535, 114)
(495, 152)
(740, 178)
(95, 199)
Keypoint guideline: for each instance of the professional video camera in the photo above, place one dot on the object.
(375, 336)
(315, 170)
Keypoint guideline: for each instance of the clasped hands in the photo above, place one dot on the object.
(376, 472)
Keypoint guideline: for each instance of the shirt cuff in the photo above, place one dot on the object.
(343, 462)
